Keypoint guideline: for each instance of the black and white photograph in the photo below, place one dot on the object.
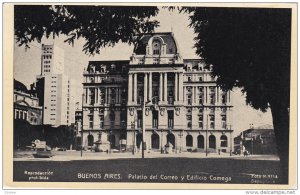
(153, 93)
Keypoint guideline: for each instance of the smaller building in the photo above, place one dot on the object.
(26, 104)
(256, 140)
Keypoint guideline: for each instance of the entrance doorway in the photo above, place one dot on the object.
(171, 139)
(155, 141)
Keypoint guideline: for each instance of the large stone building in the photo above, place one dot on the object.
(26, 104)
(55, 90)
(256, 140)
(184, 108)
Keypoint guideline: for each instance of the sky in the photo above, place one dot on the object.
(27, 64)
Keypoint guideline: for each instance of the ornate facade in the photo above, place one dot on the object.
(183, 106)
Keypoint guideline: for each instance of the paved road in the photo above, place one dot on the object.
(88, 155)
(155, 168)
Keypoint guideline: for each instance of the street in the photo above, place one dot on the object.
(155, 168)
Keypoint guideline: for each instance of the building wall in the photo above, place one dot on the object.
(52, 60)
(59, 104)
(26, 107)
(169, 84)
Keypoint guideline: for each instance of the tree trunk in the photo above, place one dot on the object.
(280, 115)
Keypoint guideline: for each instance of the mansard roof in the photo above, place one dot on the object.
(107, 63)
(167, 37)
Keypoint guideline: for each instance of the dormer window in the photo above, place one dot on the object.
(156, 46)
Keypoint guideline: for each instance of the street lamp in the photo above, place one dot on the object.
(144, 130)
(133, 140)
(110, 132)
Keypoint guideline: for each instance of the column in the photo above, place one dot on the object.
(160, 87)
(146, 87)
(96, 95)
(165, 87)
(180, 87)
(86, 95)
(106, 95)
(176, 87)
(150, 85)
(195, 95)
(135, 88)
(130, 88)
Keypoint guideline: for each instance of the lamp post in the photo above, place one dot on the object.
(143, 125)
(110, 132)
(133, 140)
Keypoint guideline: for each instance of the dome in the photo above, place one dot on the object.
(18, 86)
(154, 40)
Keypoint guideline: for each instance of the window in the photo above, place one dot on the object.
(155, 119)
(156, 46)
(189, 141)
(212, 99)
(189, 99)
(224, 121)
(91, 118)
(189, 121)
(189, 79)
(200, 99)
(139, 119)
(223, 141)
(201, 121)
(212, 121)
(170, 118)
(223, 99)
(189, 124)
(200, 79)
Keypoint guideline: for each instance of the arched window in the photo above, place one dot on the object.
(155, 141)
(189, 141)
(156, 46)
(200, 141)
(223, 141)
(90, 140)
(212, 141)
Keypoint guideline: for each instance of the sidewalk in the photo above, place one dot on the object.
(88, 155)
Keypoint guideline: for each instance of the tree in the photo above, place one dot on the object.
(100, 26)
(250, 48)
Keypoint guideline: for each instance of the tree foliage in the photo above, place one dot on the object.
(249, 48)
(100, 26)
